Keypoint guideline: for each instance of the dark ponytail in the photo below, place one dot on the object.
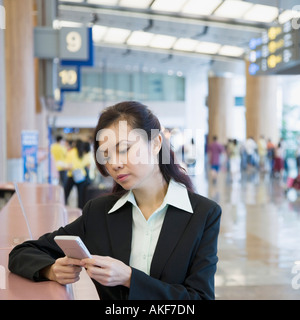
(139, 116)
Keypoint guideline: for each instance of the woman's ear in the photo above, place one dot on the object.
(156, 144)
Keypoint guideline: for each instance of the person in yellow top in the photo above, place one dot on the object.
(76, 163)
(59, 153)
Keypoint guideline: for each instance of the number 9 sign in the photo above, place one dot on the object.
(74, 41)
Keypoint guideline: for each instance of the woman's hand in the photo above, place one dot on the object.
(108, 271)
(64, 270)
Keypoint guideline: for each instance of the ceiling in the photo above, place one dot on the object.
(174, 36)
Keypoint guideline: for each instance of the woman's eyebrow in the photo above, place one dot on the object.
(116, 146)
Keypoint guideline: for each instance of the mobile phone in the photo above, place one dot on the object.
(73, 247)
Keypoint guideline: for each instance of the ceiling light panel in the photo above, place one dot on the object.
(208, 47)
(72, 1)
(104, 2)
(261, 13)
(140, 38)
(99, 32)
(234, 9)
(167, 5)
(116, 35)
(141, 4)
(199, 7)
(231, 51)
(287, 15)
(185, 44)
(57, 24)
(162, 41)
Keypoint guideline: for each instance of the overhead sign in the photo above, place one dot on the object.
(276, 52)
(77, 46)
(74, 46)
(69, 78)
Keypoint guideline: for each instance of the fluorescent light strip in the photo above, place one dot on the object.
(116, 35)
(141, 4)
(167, 5)
(287, 15)
(234, 9)
(162, 42)
(104, 2)
(71, 1)
(231, 51)
(208, 47)
(261, 13)
(98, 32)
(185, 44)
(140, 38)
(200, 7)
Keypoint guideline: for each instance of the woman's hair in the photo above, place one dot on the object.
(138, 116)
(80, 148)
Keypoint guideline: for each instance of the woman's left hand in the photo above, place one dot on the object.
(108, 271)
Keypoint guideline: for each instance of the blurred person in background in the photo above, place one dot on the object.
(235, 160)
(270, 155)
(59, 153)
(88, 160)
(77, 172)
(298, 155)
(278, 161)
(215, 149)
(262, 153)
(251, 147)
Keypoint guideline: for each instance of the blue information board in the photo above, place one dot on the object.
(30, 142)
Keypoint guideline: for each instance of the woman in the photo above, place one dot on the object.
(152, 238)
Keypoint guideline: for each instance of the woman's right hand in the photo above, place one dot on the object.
(64, 270)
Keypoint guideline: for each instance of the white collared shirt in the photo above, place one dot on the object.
(145, 233)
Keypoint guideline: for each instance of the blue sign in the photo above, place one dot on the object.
(30, 142)
(89, 62)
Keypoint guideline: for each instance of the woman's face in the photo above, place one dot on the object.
(128, 156)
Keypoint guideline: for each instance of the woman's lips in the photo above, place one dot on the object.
(122, 177)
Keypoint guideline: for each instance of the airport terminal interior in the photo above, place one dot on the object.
(223, 78)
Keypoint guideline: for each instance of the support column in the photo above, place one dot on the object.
(220, 108)
(261, 107)
(2, 103)
(20, 85)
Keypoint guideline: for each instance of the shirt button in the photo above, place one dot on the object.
(144, 256)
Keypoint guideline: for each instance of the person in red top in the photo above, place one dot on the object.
(215, 149)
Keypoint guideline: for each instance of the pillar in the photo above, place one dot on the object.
(20, 85)
(220, 108)
(261, 107)
(2, 101)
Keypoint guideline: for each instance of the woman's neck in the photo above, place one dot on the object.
(150, 197)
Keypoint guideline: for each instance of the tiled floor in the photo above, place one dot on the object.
(259, 242)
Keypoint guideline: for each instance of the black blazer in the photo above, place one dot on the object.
(184, 261)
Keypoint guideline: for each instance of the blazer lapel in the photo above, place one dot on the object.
(173, 226)
(120, 231)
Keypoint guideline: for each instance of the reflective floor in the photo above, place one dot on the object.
(259, 242)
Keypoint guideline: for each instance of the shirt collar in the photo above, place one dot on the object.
(177, 196)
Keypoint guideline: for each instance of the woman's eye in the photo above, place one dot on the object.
(123, 151)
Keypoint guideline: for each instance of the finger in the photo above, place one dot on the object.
(75, 262)
(92, 261)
